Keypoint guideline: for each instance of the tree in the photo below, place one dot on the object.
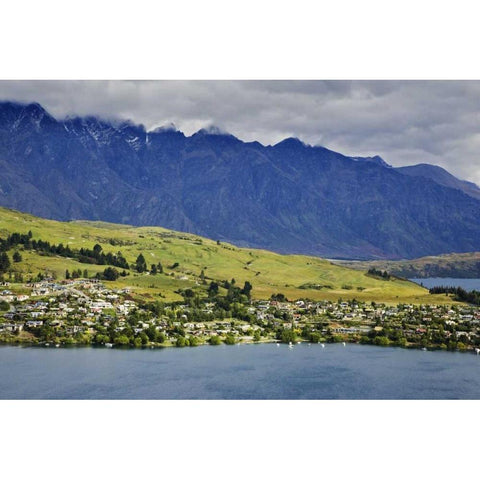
(17, 257)
(257, 336)
(122, 340)
(188, 293)
(202, 276)
(141, 264)
(230, 340)
(213, 289)
(111, 274)
(287, 336)
(4, 262)
(67, 274)
(181, 342)
(101, 339)
(215, 340)
(247, 289)
(193, 341)
(314, 337)
(160, 267)
(153, 269)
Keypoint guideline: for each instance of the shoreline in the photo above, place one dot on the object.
(206, 344)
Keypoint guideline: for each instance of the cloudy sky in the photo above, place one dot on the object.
(405, 122)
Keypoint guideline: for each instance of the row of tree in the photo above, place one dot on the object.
(379, 273)
(459, 294)
(84, 255)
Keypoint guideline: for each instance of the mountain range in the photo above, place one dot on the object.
(289, 197)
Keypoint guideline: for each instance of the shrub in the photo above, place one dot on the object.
(215, 340)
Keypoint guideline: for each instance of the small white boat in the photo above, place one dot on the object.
(424, 349)
(57, 345)
(289, 343)
(344, 344)
(47, 344)
(323, 345)
(298, 343)
(278, 344)
(477, 351)
(109, 345)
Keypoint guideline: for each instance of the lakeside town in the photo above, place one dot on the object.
(86, 312)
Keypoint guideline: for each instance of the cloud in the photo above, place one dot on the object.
(405, 122)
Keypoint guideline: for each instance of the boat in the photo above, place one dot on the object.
(344, 344)
(57, 345)
(323, 345)
(109, 345)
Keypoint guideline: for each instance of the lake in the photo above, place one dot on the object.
(466, 283)
(263, 371)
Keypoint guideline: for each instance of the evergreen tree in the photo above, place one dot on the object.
(110, 274)
(141, 264)
(247, 289)
(4, 262)
(17, 257)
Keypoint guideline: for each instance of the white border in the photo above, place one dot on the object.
(239, 40)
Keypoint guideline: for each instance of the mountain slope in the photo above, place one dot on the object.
(293, 275)
(289, 197)
(442, 177)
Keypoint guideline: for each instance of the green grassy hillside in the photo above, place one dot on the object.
(293, 275)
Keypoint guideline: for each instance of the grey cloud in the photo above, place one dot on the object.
(405, 122)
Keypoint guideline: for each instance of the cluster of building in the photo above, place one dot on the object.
(85, 308)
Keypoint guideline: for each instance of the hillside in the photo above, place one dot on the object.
(457, 265)
(288, 198)
(293, 275)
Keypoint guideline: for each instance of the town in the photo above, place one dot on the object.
(86, 312)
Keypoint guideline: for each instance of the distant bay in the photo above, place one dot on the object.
(466, 283)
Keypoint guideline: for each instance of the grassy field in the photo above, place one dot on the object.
(295, 276)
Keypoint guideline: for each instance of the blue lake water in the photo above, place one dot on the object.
(466, 283)
(262, 371)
